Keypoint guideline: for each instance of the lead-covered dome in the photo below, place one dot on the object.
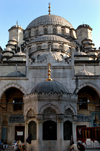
(50, 38)
(49, 87)
(49, 20)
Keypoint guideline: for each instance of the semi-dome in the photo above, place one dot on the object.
(49, 38)
(49, 87)
(49, 20)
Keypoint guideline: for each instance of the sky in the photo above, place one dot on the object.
(77, 12)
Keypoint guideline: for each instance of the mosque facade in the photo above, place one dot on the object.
(50, 84)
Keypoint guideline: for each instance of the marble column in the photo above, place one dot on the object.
(74, 130)
(39, 132)
(26, 129)
(60, 132)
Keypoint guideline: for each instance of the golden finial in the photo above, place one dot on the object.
(49, 9)
(49, 79)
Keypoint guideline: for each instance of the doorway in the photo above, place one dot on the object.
(19, 133)
(49, 130)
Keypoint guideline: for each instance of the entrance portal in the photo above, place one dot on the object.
(19, 133)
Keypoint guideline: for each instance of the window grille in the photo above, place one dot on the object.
(36, 32)
(67, 127)
(83, 103)
(17, 104)
(32, 129)
(54, 31)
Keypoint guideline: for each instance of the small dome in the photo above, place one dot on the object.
(84, 26)
(49, 38)
(15, 74)
(16, 26)
(49, 87)
(49, 20)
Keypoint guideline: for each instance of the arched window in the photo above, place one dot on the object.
(60, 47)
(36, 32)
(45, 31)
(38, 47)
(17, 104)
(63, 31)
(32, 129)
(38, 57)
(49, 130)
(54, 31)
(67, 130)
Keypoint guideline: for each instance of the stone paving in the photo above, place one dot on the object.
(9, 149)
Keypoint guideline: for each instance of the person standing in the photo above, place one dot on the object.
(16, 148)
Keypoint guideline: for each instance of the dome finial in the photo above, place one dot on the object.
(49, 79)
(49, 9)
(16, 23)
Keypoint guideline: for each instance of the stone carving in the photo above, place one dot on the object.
(30, 113)
(49, 105)
(60, 118)
(49, 113)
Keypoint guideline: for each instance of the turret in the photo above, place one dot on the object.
(15, 36)
(83, 31)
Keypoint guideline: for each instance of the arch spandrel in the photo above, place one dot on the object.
(10, 85)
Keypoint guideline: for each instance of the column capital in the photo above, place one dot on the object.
(25, 118)
(39, 118)
(75, 118)
(60, 118)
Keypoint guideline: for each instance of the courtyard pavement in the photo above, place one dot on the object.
(45, 150)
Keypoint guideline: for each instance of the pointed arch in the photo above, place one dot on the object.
(93, 86)
(51, 106)
(30, 107)
(69, 106)
(15, 85)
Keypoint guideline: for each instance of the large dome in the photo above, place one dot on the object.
(49, 20)
(49, 87)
